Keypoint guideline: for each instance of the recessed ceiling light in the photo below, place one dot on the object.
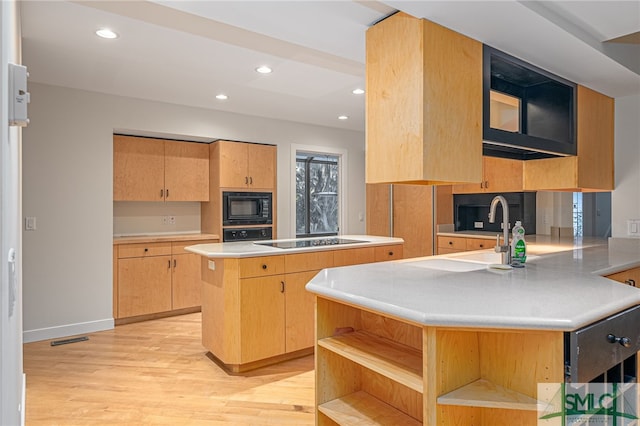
(357, 91)
(222, 96)
(343, 117)
(264, 69)
(106, 33)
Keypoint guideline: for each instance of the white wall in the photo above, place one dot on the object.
(625, 199)
(68, 188)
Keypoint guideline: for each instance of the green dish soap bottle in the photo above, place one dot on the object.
(518, 245)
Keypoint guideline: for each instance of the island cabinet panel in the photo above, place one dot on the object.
(299, 304)
(429, 375)
(146, 169)
(308, 261)
(262, 318)
(451, 244)
(392, 252)
(424, 103)
(354, 256)
(630, 277)
(261, 266)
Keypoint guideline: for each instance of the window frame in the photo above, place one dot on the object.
(342, 187)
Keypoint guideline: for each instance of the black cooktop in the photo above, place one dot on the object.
(310, 243)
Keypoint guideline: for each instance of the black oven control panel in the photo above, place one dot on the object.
(246, 234)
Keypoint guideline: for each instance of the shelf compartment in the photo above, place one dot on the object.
(483, 393)
(398, 362)
(363, 409)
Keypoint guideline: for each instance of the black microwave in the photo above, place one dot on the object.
(247, 208)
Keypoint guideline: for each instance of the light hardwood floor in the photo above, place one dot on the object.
(157, 372)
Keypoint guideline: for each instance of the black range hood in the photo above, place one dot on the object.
(528, 113)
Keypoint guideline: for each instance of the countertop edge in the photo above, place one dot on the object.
(163, 238)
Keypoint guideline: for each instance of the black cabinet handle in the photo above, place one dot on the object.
(264, 266)
(624, 341)
(162, 193)
(175, 262)
(146, 249)
(167, 194)
(281, 286)
(631, 282)
(390, 253)
(250, 180)
(450, 243)
(481, 245)
(169, 265)
(246, 180)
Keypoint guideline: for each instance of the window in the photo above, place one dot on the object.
(317, 200)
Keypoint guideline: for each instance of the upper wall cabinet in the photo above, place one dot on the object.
(498, 175)
(528, 113)
(593, 168)
(247, 165)
(424, 103)
(146, 169)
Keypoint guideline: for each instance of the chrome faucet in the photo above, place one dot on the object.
(505, 248)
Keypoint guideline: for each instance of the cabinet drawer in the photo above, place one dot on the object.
(630, 277)
(383, 253)
(177, 247)
(144, 250)
(308, 261)
(452, 243)
(480, 243)
(261, 266)
(355, 256)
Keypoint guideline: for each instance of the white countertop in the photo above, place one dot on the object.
(560, 288)
(253, 249)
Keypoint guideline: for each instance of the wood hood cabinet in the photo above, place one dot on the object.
(424, 103)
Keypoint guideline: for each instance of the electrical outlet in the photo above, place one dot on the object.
(478, 225)
(172, 220)
(165, 220)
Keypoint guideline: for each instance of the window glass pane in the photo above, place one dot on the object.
(316, 194)
(300, 197)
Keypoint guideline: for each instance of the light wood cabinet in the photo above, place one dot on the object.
(247, 165)
(146, 169)
(256, 311)
(424, 103)
(498, 175)
(448, 244)
(155, 279)
(144, 281)
(412, 210)
(262, 327)
(630, 277)
(381, 370)
(593, 167)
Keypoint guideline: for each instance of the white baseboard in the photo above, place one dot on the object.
(67, 330)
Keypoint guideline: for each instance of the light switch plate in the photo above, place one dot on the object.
(633, 228)
(30, 223)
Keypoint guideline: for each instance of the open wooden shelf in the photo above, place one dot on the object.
(483, 393)
(398, 362)
(363, 409)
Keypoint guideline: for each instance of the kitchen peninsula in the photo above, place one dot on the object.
(255, 309)
(448, 340)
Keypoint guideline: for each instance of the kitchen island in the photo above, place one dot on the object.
(448, 340)
(255, 309)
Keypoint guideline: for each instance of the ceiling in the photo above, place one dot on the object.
(186, 52)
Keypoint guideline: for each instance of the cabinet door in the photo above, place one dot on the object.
(144, 285)
(502, 175)
(392, 252)
(354, 256)
(138, 169)
(261, 317)
(378, 209)
(186, 283)
(299, 309)
(186, 171)
(261, 166)
(233, 164)
(413, 219)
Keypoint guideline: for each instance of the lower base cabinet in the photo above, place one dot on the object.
(447, 245)
(374, 369)
(155, 278)
(630, 277)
